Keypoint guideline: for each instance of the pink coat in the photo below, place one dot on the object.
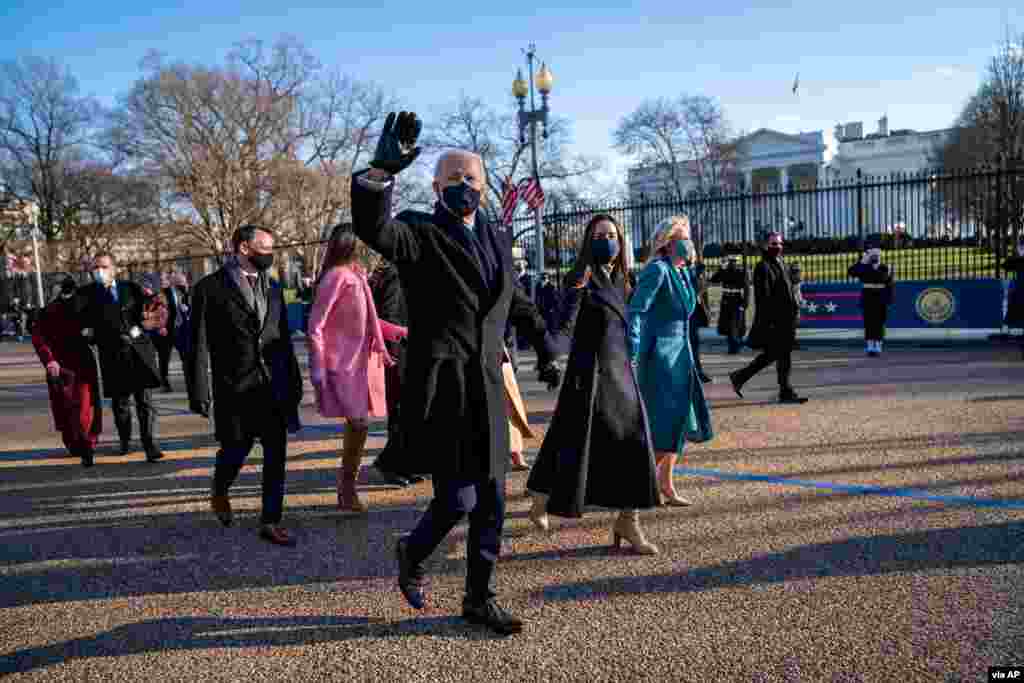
(346, 343)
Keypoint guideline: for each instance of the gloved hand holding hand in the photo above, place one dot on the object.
(53, 368)
(396, 148)
(550, 375)
(199, 407)
(87, 332)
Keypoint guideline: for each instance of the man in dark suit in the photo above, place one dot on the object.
(775, 322)
(179, 307)
(243, 356)
(456, 272)
(110, 314)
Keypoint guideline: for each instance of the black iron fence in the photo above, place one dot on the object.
(932, 225)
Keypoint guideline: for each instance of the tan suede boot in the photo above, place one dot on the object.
(348, 470)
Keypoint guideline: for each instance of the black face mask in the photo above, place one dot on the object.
(261, 262)
(461, 199)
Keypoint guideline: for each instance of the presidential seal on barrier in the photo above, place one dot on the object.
(935, 305)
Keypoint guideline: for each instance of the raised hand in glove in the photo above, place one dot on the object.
(550, 375)
(199, 408)
(396, 148)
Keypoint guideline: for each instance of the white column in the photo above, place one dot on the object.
(784, 182)
(748, 184)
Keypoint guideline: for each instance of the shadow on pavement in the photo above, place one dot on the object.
(863, 556)
(194, 633)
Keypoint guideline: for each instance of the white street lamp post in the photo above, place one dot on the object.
(35, 257)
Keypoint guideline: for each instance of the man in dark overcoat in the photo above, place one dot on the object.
(110, 313)
(456, 272)
(1015, 305)
(178, 308)
(389, 301)
(699, 318)
(775, 321)
(243, 358)
(876, 295)
(732, 313)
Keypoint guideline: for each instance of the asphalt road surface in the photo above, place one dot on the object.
(873, 534)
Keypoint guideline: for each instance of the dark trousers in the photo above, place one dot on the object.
(695, 347)
(273, 438)
(874, 322)
(390, 457)
(484, 502)
(163, 351)
(735, 343)
(121, 407)
(780, 353)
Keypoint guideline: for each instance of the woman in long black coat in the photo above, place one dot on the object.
(598, 448)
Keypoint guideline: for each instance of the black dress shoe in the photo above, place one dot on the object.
(792, 398)
(736, 385)
(87, 457)
(491, 615)
(168, 389)
(126, 447)
(706, 379)
(390, 478)
(153, 453)
(411, 581)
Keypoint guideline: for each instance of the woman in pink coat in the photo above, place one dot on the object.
(347, 355)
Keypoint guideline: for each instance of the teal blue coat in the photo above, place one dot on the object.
(659, 318)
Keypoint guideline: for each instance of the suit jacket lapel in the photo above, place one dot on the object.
(489, 240)
(234, 286)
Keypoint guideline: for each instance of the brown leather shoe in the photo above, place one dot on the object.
(276, 535)
(221, 507)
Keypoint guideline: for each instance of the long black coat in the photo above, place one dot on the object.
(597, 450)
(776, 310)
(251, 372)
(732, 318)
(453, 395)
(127, 363)
(1015, 306)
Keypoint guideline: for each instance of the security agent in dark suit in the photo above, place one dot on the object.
(456, 272)
(775, 322)
(110, 313)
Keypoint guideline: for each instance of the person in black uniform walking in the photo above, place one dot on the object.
(876, 295)
(732, 315)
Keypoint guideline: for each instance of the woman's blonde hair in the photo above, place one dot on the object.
(672, 228)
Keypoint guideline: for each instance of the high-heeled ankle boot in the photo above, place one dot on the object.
(539, 511)
(348, 470)
(627, 526)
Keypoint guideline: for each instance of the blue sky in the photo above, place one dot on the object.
(912, 60)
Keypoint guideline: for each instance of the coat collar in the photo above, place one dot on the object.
(449, 226)
(232, 275)
(609, 294)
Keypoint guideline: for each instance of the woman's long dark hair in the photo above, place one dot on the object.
(584, 267)
(342, 249)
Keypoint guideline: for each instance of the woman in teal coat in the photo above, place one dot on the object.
(659, 315)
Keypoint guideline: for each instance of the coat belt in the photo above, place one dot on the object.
(672, 328)
(873, 285)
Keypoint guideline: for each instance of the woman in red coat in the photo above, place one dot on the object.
(70, 374)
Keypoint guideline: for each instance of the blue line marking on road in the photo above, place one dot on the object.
(860, 489)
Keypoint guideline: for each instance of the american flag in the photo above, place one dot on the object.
(509, 199)
(532, 193)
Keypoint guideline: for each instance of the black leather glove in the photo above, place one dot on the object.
(396, 147)
(200, 408)
(550, 374)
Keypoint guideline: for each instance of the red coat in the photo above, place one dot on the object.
(76, 405)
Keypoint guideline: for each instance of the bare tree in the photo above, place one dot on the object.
(46, 130)
(989, 134)
(218, 135)
(689, 142)
(471, 124)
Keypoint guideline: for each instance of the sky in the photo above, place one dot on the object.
(914, 61)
